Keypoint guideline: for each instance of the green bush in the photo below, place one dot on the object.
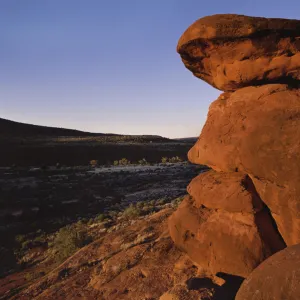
(116, 163)
(100, 218)
(69, 239)
(142, 162)
(175, 159)
(132, 212)
(164, 160)
(176, 202)
(124, 162)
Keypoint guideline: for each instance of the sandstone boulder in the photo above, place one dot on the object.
(224, 227)
(217, 241)
(233, 51)
(276, 278)
(225, 191)
(256, 130)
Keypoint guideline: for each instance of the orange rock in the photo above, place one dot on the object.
(226, 191)
(283, 202)
(224, 226)
(276, 278)
(233, 51)
(254, 130)
(218, 241)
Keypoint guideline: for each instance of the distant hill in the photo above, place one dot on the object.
(12, 128)
(187, 139)
(32, 145)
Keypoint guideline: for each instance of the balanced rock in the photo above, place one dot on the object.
(247, 207)
(233, 51)
(276, 278)
(224, 227)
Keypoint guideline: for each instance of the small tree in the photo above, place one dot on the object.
(69, 239)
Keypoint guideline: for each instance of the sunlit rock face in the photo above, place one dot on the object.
(248, 206)
(233, 51)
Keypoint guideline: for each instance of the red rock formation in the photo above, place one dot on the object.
(253, 130)
(276, 278)
(224, 226)
(248, 207)
(233, 51)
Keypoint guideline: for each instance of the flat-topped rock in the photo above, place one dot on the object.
(233, 51)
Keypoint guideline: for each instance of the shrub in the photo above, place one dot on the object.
(132, 212)
(142, 162)
(93, 163)
(152, 202)
(176, 202)
(175, 159)
(69, 239)
(124, 162)
(20, 238)
(116, 163)
(100, 218)
(164, 160)
(161, 201)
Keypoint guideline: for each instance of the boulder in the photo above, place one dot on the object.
(234, 51)
(225, 191)
(218, 241)
(256, 130)
(224, 226)
(276, 278)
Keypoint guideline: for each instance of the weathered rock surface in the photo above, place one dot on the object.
(233, 51)
(276, 278)
(224, 227)
(247, 208)
(225, 191)
(256, 130)
(284, 204)
(217, 241)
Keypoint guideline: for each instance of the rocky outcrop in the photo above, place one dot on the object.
(276, 278)
(247, 208)
(224, 227)
(253, 130)
(234, 51)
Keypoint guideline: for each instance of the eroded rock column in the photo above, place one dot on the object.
(248, 206)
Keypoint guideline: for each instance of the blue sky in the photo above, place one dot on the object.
(109, 66)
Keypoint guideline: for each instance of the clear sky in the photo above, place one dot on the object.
(109, 66)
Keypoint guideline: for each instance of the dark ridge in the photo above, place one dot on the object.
(12, 128)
